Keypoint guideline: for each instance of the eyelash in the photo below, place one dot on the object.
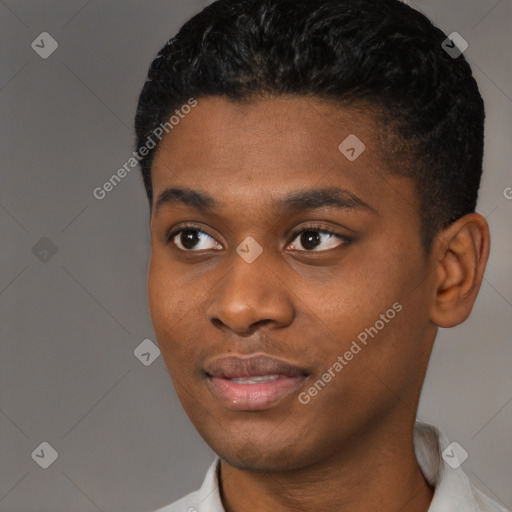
(317, 228)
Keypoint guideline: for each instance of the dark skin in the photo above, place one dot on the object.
(351, 446)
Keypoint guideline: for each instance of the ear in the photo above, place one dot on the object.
(461, 250)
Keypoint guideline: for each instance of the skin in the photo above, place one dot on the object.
(351, 446)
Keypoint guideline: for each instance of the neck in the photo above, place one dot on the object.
(380, 473)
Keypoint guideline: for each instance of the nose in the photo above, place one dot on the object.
(250, 295)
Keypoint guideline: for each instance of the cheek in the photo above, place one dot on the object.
(170, 299)
(372, 307)
(352, 300)
(161, 302)
(171, 307)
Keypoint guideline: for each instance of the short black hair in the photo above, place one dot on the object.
(381, 55)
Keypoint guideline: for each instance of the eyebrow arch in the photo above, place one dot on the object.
(294, 201)
(318, 198)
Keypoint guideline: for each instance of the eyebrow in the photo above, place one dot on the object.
(309, 199)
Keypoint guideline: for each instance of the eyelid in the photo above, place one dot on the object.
(169, 236)
(320, 229)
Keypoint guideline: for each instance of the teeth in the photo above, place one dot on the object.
(256, 379)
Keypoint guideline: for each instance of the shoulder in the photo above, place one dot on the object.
(188, 503)
(453, 489)
(205, 499)
(485, 503)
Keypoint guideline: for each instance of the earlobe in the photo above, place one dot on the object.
(462, 251)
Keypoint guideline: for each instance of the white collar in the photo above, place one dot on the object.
(453, 492)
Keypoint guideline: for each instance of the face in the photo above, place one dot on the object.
(287, 286)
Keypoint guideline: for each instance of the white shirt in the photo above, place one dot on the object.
(453, 492)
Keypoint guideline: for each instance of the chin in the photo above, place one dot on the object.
(259, 463)
(258, 455)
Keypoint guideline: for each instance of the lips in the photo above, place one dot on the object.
(252, 383)
(234, 367)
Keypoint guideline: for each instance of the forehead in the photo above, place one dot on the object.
(246, 152)
(293, 130)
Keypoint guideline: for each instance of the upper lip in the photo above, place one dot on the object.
(235, 367)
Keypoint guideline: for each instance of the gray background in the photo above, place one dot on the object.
(70, 321)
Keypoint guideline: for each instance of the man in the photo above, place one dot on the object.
(312, 170)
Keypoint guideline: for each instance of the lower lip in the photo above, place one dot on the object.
(254, 397)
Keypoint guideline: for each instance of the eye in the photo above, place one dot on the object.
(313, 237)
(187, 239)
(191, 239)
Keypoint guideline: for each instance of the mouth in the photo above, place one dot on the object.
(253, 383)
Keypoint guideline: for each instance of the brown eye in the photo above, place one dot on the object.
(188, 239)
(311, 239)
